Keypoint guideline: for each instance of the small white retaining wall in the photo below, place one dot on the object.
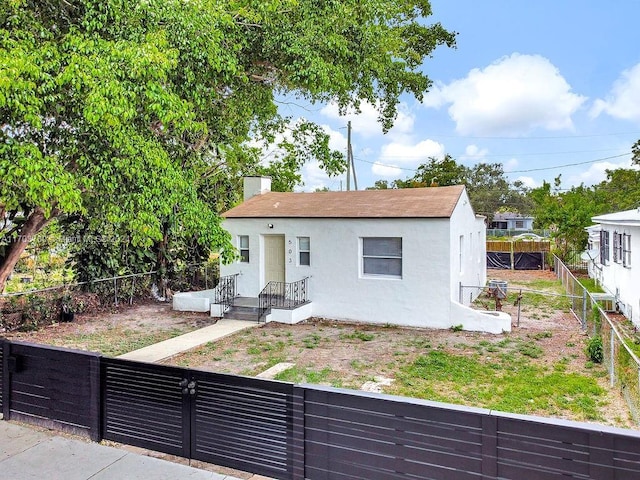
(193, 301)
(295, 315)
(480, 320)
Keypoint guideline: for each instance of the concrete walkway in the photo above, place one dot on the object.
(163, 350)
(30, 454)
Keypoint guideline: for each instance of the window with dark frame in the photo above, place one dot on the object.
(626, 250)
(304, 251)
(243, 244)
(382, 256)
(617, 247)
(604, 247)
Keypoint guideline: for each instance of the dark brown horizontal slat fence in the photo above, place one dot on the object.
(300, 432)
(52, 387)
(243, 423)
(361, 436)
(142, 405)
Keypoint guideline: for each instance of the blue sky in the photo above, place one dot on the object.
(546, 88)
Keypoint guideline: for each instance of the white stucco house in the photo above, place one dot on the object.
(512, 221)
(381, 256)
(614, 265)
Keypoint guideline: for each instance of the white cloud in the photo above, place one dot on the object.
(314, 177)
(597, 173)
(387, 171)
(511, 96)
(510, 164)
(528, 182)
(337, 140)
(366, 123)
(474, 154)
(418, 153)
(398, 159)
(623, 100)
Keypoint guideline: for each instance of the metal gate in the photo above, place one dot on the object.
(238, 422)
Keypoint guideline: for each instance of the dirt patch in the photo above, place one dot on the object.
(127, 328)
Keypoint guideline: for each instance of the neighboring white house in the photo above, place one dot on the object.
(592, 254)
(381, 256)
(512, 221)
(617, 270)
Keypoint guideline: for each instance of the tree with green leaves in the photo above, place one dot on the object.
(568, 213)
(132, 114)
(565, 214)
(437, 173)
(488, 188)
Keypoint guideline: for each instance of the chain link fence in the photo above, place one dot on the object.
(31, 309)
(622, 363)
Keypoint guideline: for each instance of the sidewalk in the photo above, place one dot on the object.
(160, 351)
(30, 454)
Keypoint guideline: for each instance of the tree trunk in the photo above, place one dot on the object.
(161, 263)
(35, 222)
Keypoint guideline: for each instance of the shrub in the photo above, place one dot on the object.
(595, 350)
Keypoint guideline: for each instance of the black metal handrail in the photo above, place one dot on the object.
(283, 295)
(225, 292)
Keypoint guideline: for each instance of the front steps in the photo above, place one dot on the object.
(244, 308)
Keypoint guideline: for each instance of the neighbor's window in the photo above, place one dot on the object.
(519, 223)
(243, 244)
(304, 251)
(626, 250)
(604, 247)
(617, 247)
(382, 256)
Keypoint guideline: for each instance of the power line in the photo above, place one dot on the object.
(569, 164)
(511, 171)
(551, 137)
(512, 154)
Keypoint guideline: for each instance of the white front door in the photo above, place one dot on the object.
(274, 264)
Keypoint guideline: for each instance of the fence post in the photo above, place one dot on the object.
(115, 291)
(5, 388)
(584, 308)
(612, 370)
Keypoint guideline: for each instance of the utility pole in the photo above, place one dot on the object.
(350, 162)
(348, 156)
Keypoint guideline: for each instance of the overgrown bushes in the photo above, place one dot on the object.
(595, 350)
(30, 312)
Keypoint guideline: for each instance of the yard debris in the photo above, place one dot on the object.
(276, 369)
(376, 385)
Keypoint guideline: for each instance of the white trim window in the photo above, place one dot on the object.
(243, 246)
(604, 247)
(626, 250)
(304, 251)
(382, 256)
(617, 247)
